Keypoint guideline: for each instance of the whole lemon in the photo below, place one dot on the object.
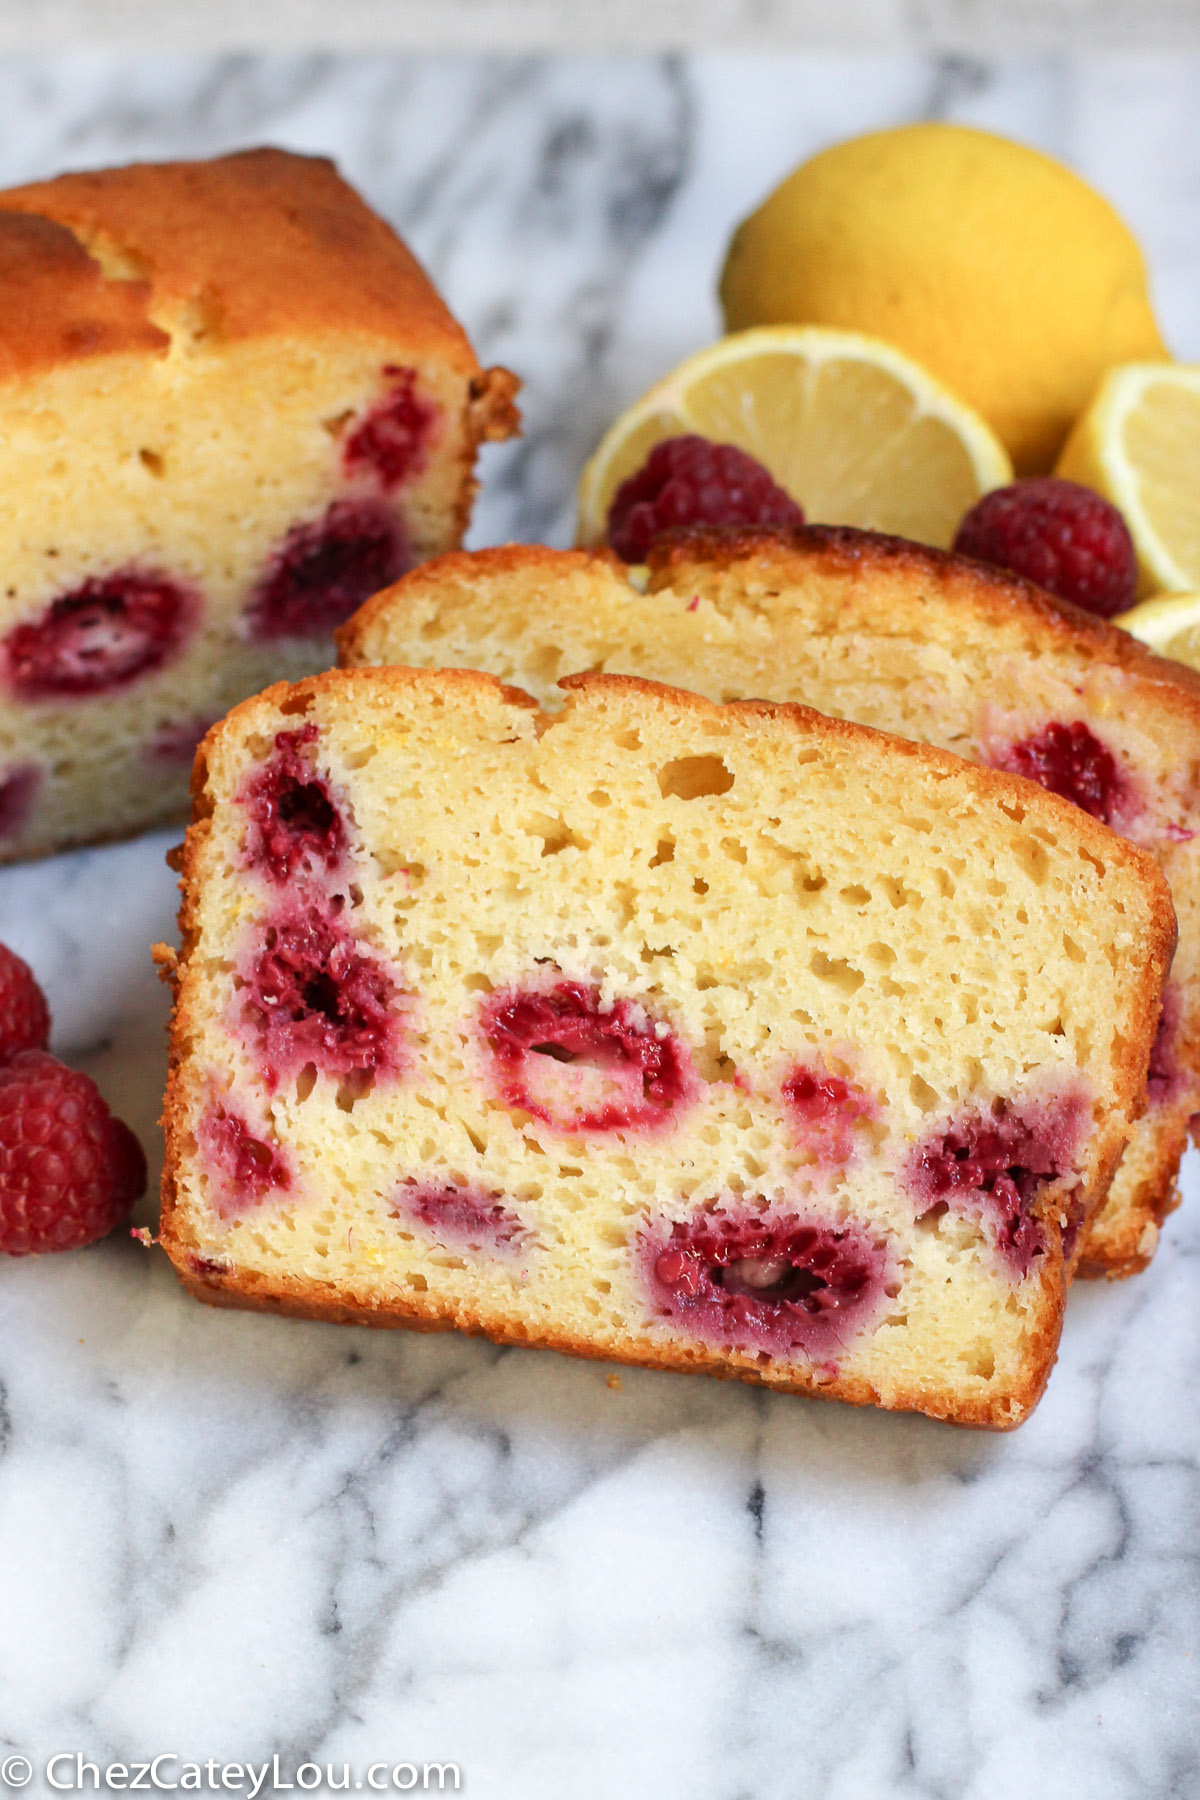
(993, 265)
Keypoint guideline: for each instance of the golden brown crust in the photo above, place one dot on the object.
(295, 1300)
(998, 596)
(1121, 1242)
(57, 306)
(493, 415)
(263, 242)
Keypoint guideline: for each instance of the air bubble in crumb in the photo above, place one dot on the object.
(694, 777)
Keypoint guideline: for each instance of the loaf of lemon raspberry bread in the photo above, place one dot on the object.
(231, 407)
(891, 634)
(725, 1038)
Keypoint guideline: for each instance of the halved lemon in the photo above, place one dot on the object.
(1138, 444)
(1170, 625)
(857, 432)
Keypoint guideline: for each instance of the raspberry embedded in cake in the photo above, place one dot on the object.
(1166, 1075)
(392, 443)
(243, 1168)
(103, 635)
(1070, 760)
(313, 995)
(751, 1282)
(825, 1109)
(325, 568)
(462, 1216)
(176, 745)
(294, 823)
(209, 1269)
(17, 791)
(579, 1066)
(994, 1165)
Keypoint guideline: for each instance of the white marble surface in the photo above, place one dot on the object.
(230, 1537)
(997, 26)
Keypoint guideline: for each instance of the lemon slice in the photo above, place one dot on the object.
(1138, 444)
(854, 430)
(1170, 625)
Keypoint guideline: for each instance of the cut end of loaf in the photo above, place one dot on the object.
(720, 1038)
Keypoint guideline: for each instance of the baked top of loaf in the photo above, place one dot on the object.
(1023, 615)
(729, 1038)
(851, 579)
(58, 304)
(231, 407)
(895, 635)
(257, 244)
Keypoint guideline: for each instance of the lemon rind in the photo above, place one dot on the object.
(818, 344)
(1163, 621)
(1095, 454)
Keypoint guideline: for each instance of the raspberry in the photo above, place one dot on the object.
(1070, 760)
(325, 569)
(461, 1215)
(392, 441)
(247, 1168)
(1062, 536)
(690, 481)
(826, 1108)
(996, 1165)
(207, 1267)
(1164, 1077)
(314, 995)
(24, 1015)
(69, 1171)
(757, 1283)
(177, 744)
(620, 1072)
(293, 821)
(16, 798)
(100, 637)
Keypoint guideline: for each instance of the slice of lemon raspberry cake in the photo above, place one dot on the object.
(727, 1038)
(891, 634)
(231, 407)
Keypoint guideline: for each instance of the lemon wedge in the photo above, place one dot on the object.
(1169, 625)
(853, 429)
(1138, 444)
